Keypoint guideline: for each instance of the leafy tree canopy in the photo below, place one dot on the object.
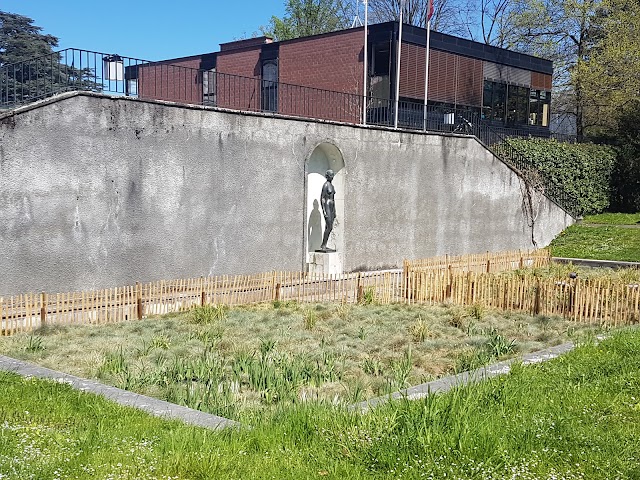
(21, 40)
(33, 70)
(610, 74)
(307, 17)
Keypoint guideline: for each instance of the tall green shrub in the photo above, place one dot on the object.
(583, 170)
(625, 182)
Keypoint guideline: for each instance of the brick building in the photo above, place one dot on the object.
(321, 76)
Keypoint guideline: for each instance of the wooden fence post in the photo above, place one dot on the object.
(572, 295)
(275, 295)
(405, 277)
(139, 300)
(536, 301)
(203, 295)
(43, 309)
(359, 289)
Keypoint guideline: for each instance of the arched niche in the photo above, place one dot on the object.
(325, 156)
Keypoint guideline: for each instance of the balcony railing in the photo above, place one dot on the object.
(73, 70)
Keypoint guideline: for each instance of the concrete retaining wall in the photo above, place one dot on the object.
(97, 191)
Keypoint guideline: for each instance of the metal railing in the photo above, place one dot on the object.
(500, 145)
(67, 70)
(73, 69)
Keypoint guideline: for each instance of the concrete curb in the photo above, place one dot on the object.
(466, 378)
(587, 262)
(159, 408)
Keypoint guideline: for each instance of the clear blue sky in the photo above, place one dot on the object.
(150, 30)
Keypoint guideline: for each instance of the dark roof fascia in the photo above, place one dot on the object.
(249, 48)
(464, 47)
(245, 43)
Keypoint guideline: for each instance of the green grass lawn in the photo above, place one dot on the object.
(601, 243)
(614, 219)
(577, 417)
(248, 361)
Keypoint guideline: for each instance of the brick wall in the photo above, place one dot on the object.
(233, 91)
(174, 81)
(328, 63)
(331, 62)
(243, 61)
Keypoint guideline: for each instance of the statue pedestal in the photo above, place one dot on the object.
(326, 263)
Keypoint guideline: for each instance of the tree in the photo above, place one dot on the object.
(564, 31)
(446, 17)
(610, 72)
(489, 21)
(626, 175)
(20, 40)
(29, 68)
(307, 17)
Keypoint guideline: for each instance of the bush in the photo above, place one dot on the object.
(625, 182)
(584, 171)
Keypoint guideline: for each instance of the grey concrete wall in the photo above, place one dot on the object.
(98, 191)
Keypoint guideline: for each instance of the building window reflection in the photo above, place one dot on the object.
(494, 101)
(539, 102)
(515, 105)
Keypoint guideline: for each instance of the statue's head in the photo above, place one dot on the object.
(329, 175)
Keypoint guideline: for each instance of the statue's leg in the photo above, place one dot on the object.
(325, 237)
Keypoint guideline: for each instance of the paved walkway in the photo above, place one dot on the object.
(194, 417)
(153, 406)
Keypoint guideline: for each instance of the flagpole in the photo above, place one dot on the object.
(426, 73)
(366, 62)
(395, 122)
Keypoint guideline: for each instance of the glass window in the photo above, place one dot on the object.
(487, 101)
(270, 86)
(534, 107)
(545, 101)
(381, 58)
(539, 108)
(499, 100)
(517, 105)
(493, 101)
(209, 87)
(523, 105)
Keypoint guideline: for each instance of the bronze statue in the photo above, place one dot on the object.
(328, 209)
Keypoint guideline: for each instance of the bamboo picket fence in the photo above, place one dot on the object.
(602, 301)
(464, 281)
(483, 262)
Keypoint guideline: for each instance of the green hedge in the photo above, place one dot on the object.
(626, 176)
(582, 170)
